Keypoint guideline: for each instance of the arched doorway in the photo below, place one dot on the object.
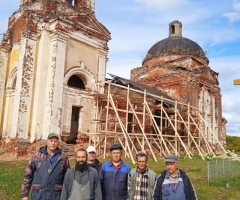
(76, 82)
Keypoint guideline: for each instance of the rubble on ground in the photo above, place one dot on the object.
(229, 155)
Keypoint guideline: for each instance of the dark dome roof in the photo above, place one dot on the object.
(176, 45)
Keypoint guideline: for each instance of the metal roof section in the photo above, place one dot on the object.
(125, 82)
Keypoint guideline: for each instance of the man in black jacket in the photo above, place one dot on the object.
(173, 183)
(92, 160)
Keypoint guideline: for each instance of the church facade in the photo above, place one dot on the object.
(50, 55)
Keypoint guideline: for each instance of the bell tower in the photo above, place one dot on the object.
(78, 4)
(89, 4)
(175, 29)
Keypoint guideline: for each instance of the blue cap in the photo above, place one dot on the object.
(170, 158)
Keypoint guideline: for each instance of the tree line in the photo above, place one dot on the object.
(233, 143)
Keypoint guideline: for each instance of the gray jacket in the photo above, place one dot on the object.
(132, 183)
(82, 178)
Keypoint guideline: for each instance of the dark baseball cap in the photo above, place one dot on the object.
(140, 154)
(115, 146)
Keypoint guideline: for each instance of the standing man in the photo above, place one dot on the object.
(113, 175)
(141, 180)
(45, 171)
(81, 182)
(92, 160)
(173, 183)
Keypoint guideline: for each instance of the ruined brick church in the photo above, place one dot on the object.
(52, 79)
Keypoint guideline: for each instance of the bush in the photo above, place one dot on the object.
(233, 143)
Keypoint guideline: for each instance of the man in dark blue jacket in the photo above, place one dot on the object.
(173, 183)
(113, 176)
(45, 172)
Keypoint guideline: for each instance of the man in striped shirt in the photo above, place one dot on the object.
(141, 180)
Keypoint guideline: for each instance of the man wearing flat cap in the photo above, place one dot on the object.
(141, 180)
(173, 183)
(45, 171)
(113, 175)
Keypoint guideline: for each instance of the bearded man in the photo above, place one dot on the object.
(81, 182)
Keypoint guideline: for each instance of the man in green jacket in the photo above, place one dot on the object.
(141, 180)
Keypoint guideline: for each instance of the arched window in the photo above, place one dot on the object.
(14, 83)
(12, 80)
(173, 29)
(76, 82)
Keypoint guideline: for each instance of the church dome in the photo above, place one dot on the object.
(175, 44)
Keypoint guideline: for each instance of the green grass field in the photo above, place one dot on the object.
(11, 176)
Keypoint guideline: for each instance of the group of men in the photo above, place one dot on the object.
(49, 177)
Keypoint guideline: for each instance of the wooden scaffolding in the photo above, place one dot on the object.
(141, 121)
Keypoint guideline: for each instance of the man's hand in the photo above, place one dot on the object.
(25, 198)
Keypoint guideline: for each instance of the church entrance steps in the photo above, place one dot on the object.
(69, 150)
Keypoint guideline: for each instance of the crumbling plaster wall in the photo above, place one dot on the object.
(24, 85)
(24, 106)
(7, 108)
(42, 66)
(78, 51)
(207, 110)
(4, 54)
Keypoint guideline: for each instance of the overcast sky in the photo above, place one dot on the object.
(136, 25)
